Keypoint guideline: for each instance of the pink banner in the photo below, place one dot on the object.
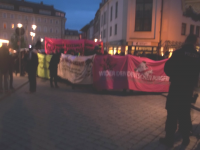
(53, 45)
(130, 72)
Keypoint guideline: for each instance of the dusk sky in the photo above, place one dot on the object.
(78, 12)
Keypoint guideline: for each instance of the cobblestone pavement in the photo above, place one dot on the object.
(80, 119)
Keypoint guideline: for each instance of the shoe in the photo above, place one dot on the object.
(186, 142)
(166, 142)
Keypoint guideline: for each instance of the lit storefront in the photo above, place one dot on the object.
(113, 50)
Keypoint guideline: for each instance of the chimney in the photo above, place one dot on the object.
(41, 2)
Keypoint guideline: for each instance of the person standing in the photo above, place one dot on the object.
(10, 68)
(183, 69)
(31, 68)
(4, 68)
(53, 68)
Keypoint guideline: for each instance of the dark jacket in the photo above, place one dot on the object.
(55, 59)
(183, 69)
(4, 60)
(31, 64)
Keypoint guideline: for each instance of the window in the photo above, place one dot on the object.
(39, 19)
(44, 12)
(62, 15)
(6, 6)
(45, 20)
(104, 21)
(111, 11)
(51, 21)
(33, 18)
(4, 26)
(143, 18)
(191, 29)
(57, 21)
(56, 30)
(183, 29)
(26, 17)
(4, 15)
(110, 31)
(197, 30)
(5, 36)
(25, 9)
(12, 26)
(45, 29)
(39, 29)
(51, 30)
(116, 9)
(58, 14)
(115, 29)
(12, 16)
(104, 33)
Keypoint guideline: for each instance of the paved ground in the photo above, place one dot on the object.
(74, 119)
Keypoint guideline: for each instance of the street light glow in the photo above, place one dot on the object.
(32, 34)
(42, 39)
(34, 27)
(95, 40)
(19, 25)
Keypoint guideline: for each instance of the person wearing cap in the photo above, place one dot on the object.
(31, 68)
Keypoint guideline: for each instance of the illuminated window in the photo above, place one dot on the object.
(126, 50)
(171, 51)
(161, 51)
(119, 50)
(110, 51)
(4, 26)
(12, 26)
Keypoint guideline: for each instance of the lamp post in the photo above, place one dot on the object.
(32, 34)
(19, 25)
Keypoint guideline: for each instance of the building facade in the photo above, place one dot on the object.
(49, 21)
(153, 26)
(72, 34)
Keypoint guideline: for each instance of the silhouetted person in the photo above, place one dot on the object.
(166, 55)
(105, 52)
(11, 68)
(31, 67)
(53, 68)
(183, 69)
(136, 53)
(122, 54)
(116, 53)
(143, 54)
(4, 66)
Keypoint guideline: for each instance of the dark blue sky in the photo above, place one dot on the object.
(78, 12)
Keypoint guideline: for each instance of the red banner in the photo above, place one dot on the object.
(53, 45)
(130, 72)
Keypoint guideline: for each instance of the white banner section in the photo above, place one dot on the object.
(76, 69)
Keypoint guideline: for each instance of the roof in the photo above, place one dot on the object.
(85, 28)
(35, 6)
(71, 32)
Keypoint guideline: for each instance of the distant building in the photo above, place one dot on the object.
(72, 34)
(88, 31)
(153, 26)
(50, 22)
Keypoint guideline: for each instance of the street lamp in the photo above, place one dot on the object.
(34, 27)
(41, 39)
(19, 25)
(32, 34)
(95, 40)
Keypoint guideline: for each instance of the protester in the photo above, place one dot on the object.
(183, 69)
(31, 68)
(4, 65)
(136, 53)
(116, 53)
(143, 54)
(53, 68)
(166, 55)
(122, 54)
(11, 68)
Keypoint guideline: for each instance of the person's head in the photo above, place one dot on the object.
(136, 53)
(191, 40)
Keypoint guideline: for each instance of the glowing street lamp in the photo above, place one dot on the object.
(34, 27)
(42, 40)
(95, 40)
(19, 25)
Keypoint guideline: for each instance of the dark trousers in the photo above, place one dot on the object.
(11, 78)
(179, 115)
(32, 81)
(53, 76)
